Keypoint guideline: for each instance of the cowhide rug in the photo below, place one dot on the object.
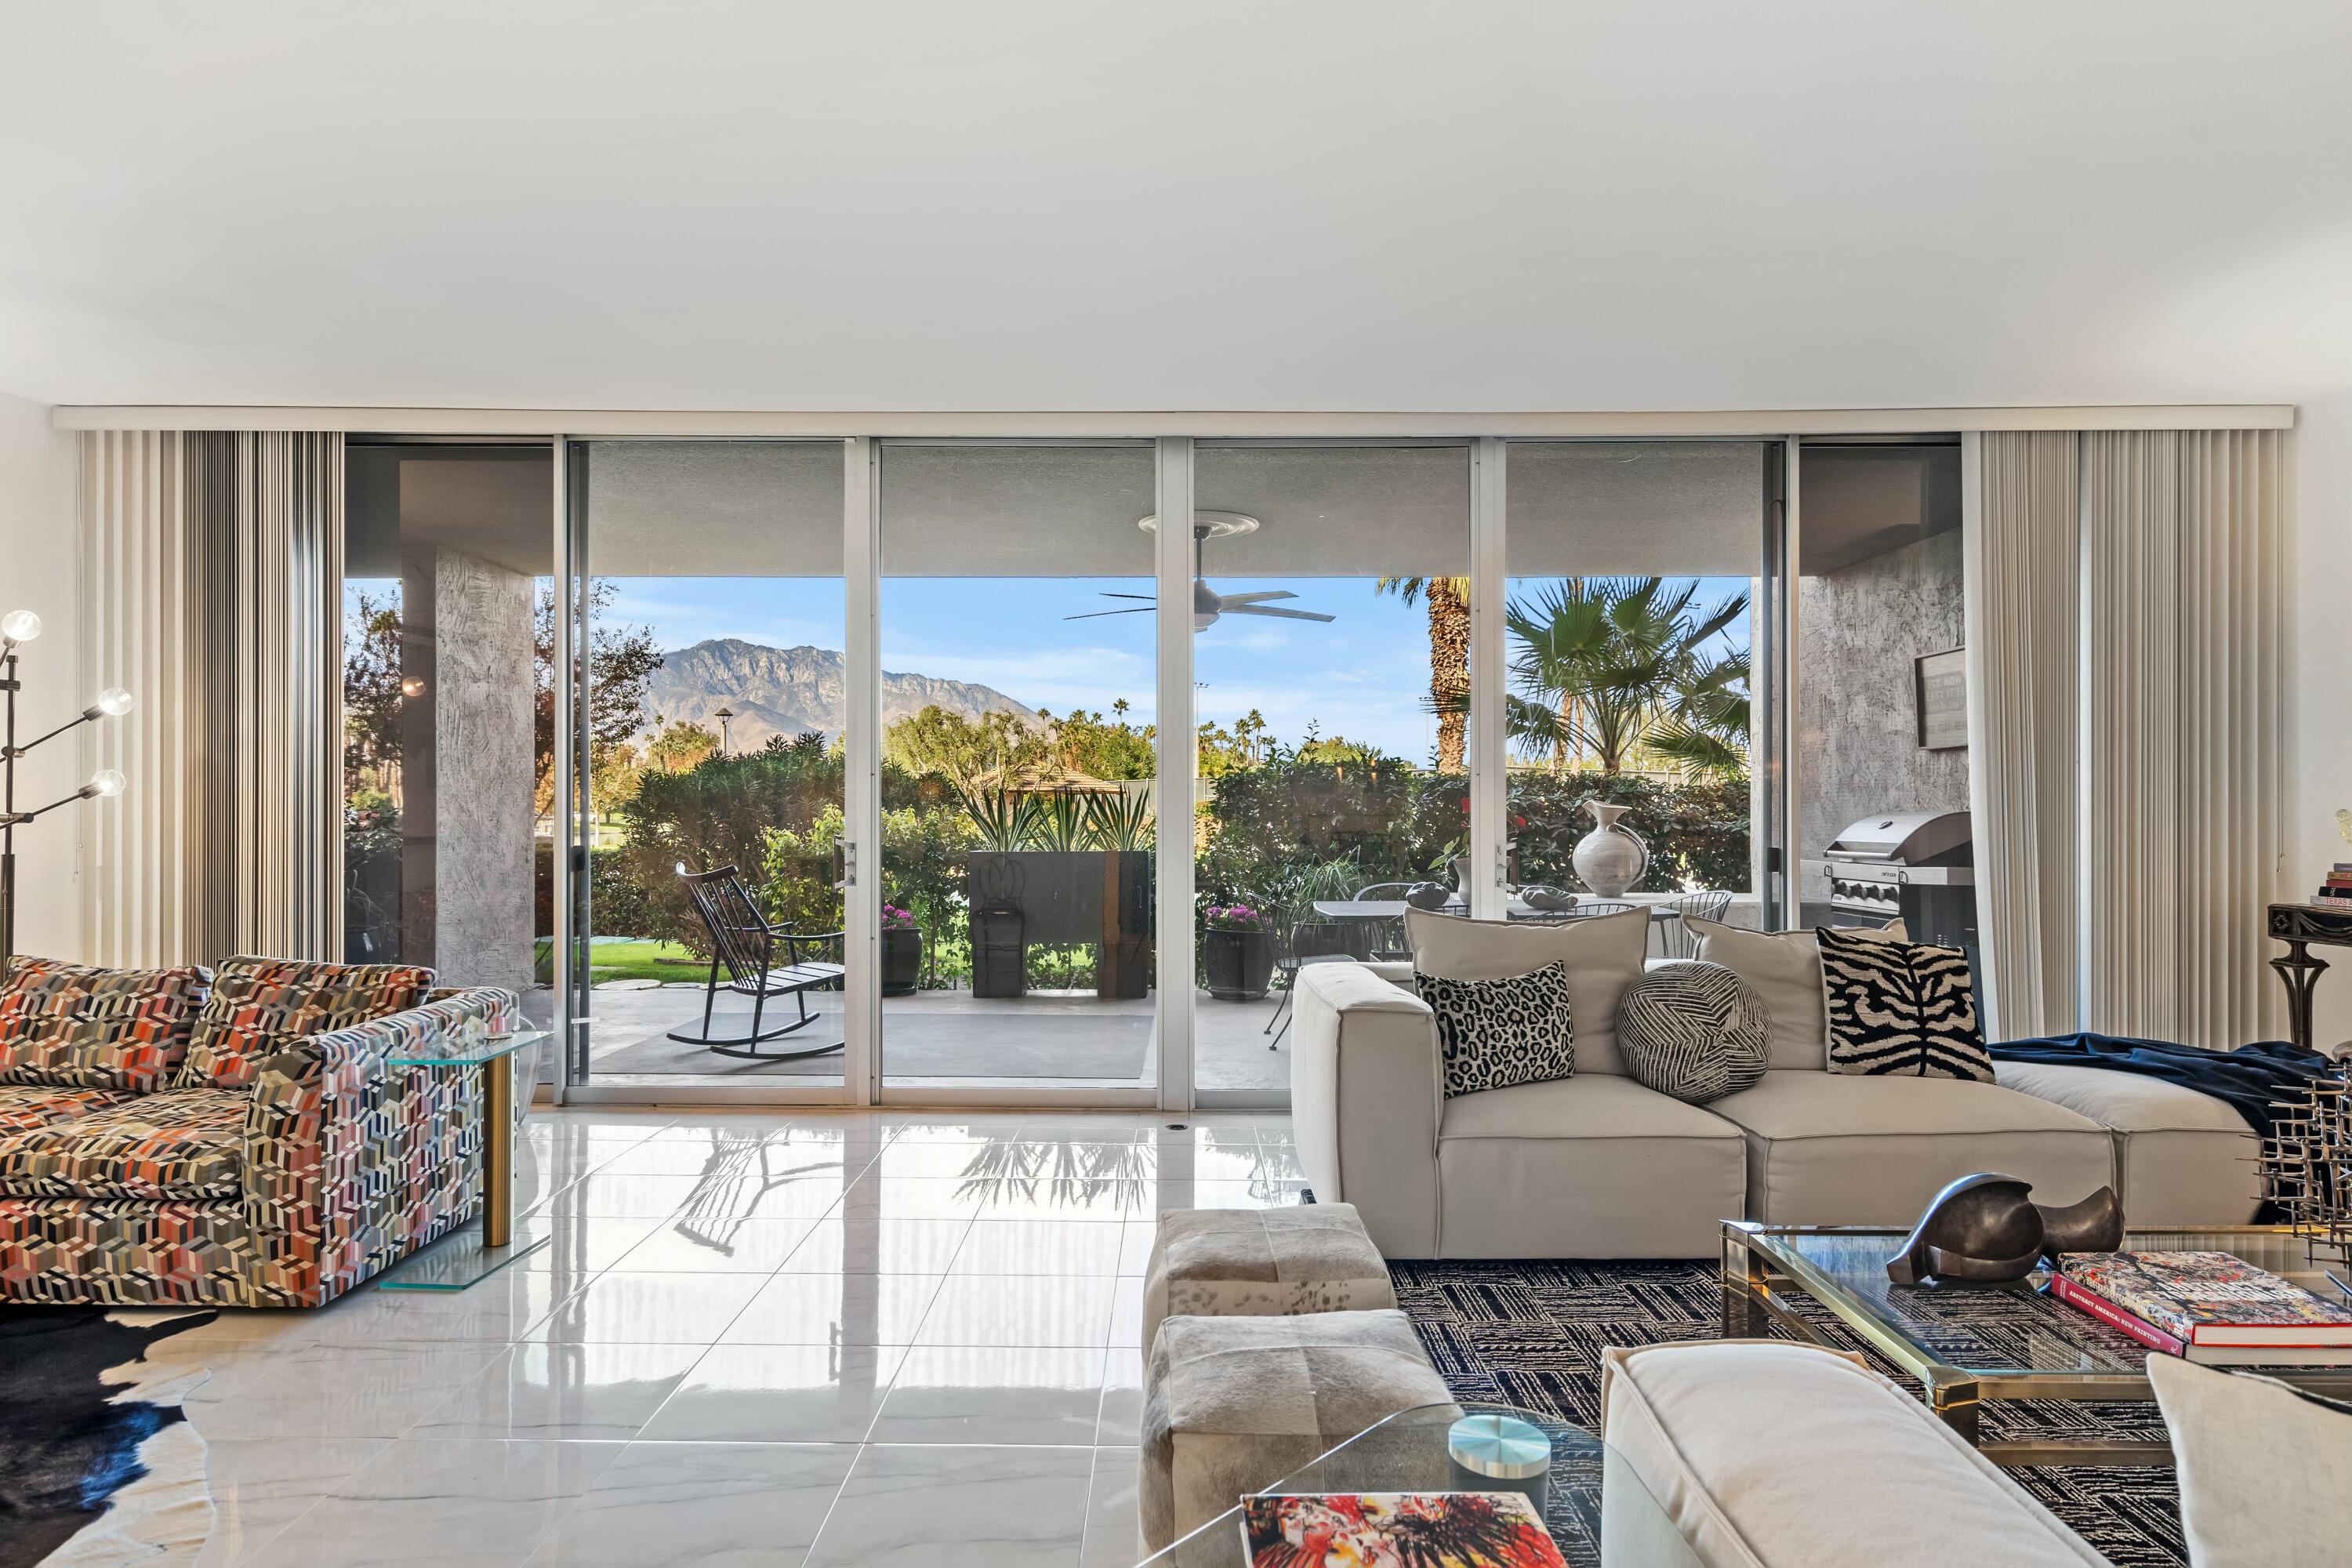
(96, 1465)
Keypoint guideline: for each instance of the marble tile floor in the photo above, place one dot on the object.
(822, 1339)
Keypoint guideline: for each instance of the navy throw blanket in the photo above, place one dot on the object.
(2250, 1079)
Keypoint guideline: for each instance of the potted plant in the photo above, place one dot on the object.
(902, 952)
(1237, 951)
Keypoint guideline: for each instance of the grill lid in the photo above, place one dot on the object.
(1905, 838)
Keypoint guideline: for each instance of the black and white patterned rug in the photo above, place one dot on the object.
(1531, 1333)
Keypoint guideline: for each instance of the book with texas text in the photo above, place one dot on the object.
(2206, 1300)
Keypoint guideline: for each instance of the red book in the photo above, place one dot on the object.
(2115, 1317)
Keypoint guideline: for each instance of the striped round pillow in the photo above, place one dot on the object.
(1696, 1031)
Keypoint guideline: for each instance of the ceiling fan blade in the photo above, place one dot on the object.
(1233, 609)
(1255, 598)
(1145, 596)
(1098, 615)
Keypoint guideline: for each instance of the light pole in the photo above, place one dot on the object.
(724, 716)
(17, 628)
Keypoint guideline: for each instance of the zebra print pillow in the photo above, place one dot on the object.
(1492, 1034)
(1899, 1009)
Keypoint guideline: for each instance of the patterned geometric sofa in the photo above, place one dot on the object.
(235, 1138)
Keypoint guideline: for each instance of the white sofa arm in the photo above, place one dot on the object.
(1364, 1099)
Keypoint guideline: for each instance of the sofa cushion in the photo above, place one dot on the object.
(2183, 1158)
(1830, 1149)
(1590, 1166)
(1783, 1456)
(25, 1105)
(82, 1027)
(2265, 1469)
(1785, 967)
(1602, 956)
(260, 1006)
(1907, 1009)
(183, 1143)
(1695, 1031)
(1492, 1034)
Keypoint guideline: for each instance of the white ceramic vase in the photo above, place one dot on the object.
(1612, 857)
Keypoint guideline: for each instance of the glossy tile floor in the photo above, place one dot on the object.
(812, 1338)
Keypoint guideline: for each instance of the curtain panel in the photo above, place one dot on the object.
(2021, 559)
(2185, 807)
(212, 589)
(2126, 594)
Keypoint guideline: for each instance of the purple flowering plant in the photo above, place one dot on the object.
(896, 919)
(1234, 917)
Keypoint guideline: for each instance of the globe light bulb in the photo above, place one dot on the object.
(19, 626)
(114, 702)
(106, 783)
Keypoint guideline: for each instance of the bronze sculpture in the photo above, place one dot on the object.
(1983, 1229)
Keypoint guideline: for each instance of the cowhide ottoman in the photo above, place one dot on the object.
(1237, 1263)
(1232, 1404)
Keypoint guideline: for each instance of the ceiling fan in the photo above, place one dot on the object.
(1208, 605)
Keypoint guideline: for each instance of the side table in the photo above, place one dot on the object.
(2298, 926)
(474, 1253)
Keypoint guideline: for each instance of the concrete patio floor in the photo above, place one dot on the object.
(940, 1037)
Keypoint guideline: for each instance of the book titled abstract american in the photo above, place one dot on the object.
(2210, 1298)
(1397, 1529)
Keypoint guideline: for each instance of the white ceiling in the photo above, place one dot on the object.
(1329, 205)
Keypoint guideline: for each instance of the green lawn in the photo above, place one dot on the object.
(644, 961)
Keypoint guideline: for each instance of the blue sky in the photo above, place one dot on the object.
(1362, 676)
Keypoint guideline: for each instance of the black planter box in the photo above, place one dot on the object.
(902, 961)
(1239, 964)
(1058, 897)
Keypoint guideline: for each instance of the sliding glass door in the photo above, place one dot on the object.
(1017, 635)
(919, 687)
(709, 642)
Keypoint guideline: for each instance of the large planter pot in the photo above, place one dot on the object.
(1612, 857)
(1240, 963)
(902, 960)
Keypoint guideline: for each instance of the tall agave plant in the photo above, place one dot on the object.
(1006, 817)
(1121, 821)
(1060, 822)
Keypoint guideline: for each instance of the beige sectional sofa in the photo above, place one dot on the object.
(1596, 1165)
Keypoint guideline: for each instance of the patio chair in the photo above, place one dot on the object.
(1310, 942)
(1676, 939)
(1586, 908)
(745, 943)
(1393, 930)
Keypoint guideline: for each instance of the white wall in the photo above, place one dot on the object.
(2319, 653)
(37, 573)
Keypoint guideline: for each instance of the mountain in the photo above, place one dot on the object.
(791, 690)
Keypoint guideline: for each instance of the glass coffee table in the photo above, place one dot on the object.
(1597, 1509)
(1969, 1345)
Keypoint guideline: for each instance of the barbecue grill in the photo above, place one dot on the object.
(1917, 865)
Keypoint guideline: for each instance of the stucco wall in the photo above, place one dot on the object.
(1860, 628)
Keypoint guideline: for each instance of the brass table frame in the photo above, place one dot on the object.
(1761, 1280)
(466, 1257)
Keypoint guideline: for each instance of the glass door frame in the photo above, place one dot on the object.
(1772, 688)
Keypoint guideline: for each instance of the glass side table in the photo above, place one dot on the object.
(476, 1252)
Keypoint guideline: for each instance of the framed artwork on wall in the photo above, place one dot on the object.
(1940, 688)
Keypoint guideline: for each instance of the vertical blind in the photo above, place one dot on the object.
(212, 590)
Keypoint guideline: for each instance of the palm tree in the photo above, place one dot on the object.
(1449, 655)
(1611, 666)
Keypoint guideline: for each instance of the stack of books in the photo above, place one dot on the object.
(2336, 892)
(2206, 1306)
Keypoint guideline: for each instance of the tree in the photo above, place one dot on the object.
(1449, 655)
(621, 659)
(371, 693)
(1234, 749)
(1609, 667)
(1083, 744)
(678, 748)
(963, 751)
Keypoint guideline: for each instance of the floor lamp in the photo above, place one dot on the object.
(17, 628)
